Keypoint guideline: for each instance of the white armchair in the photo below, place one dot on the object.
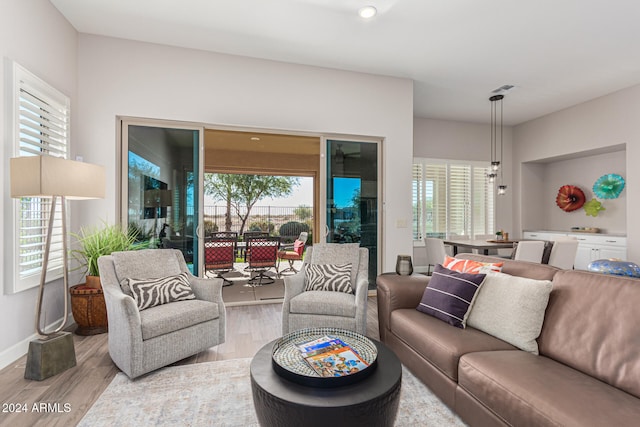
(142, 341)
(315, 308)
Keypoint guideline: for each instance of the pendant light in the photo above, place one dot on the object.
(497, 164)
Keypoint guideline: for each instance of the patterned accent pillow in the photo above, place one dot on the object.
(469, 266)
(449, 295)
(328, 277)
(152, 292)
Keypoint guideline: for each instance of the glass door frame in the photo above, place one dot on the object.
(122, 187)
(323, 188)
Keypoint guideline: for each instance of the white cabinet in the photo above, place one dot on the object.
(541, 235)
(591, 248)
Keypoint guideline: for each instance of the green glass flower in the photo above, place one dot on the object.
(608, 186)
(593, 207)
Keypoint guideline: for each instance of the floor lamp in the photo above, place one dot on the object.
(54, 178)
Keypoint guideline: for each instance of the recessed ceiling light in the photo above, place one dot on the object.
(255, 138)
(367, 12)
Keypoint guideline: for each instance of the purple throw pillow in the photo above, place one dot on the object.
(449, 295)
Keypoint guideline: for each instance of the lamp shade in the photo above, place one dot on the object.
(47, 176)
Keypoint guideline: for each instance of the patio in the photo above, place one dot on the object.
(240, 293)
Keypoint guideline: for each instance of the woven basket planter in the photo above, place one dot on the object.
(89, 310)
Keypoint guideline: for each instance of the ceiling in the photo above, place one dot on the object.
(556, 53)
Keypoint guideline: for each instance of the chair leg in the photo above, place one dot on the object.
(261, 278)
(291, 268)
(225, 281)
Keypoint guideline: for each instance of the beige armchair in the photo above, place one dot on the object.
(318, 308)
(141, 341)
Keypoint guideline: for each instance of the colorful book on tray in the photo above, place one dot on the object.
(331, 357)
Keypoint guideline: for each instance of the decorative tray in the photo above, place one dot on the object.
(501, 241)
(289, 363)
(585, 230)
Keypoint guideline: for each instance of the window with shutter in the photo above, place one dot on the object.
(451, 199)
(41, 128)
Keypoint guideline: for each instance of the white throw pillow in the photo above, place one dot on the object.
(511, 308)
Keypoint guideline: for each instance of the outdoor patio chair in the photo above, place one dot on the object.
(251, 234)
(292, 253)
(262, 254)
(220, 256)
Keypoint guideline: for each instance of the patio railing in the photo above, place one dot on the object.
(264, 218)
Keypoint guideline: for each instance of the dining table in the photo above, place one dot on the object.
(482, 246)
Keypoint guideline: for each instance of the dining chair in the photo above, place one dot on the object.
(529, 250)
(563, 253)
(220, 256)
(435, 252)
(262, 254)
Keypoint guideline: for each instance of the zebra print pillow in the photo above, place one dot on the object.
(328, 277)
(152, 292)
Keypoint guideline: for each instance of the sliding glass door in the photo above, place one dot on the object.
(352, 194)
(162, 190)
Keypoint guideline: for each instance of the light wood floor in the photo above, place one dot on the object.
(248, 329)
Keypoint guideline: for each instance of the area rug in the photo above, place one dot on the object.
(219, 394)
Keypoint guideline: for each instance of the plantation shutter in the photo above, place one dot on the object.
(483, 202)
(459, 200)
(436, 200)
(417, 201)
(42, 129)
(451, 199)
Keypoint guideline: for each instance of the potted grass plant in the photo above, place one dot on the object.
(87, 299)
(102, 240)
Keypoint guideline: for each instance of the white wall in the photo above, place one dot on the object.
(444, 139)
(126, 78)
(609, 121)
(34, 34)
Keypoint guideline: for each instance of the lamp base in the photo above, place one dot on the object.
(50, 356)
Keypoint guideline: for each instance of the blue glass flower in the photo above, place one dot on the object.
(608, 186)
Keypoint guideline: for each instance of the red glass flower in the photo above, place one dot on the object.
(570, 198)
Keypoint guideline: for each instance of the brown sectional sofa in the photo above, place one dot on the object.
(587, 373)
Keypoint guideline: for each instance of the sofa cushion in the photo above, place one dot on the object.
(324, 303)
(598, 312)
(438, 342)
(163, 290)
(167, 318)
(470, 266)
(328, 277)
(449, 295)
(519, 387)
(511, 308)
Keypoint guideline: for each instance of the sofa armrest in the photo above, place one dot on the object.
(395, 292)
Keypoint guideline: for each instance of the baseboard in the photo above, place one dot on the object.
(16, 351)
